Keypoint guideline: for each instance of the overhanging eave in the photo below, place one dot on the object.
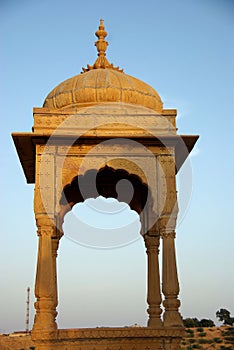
(25, 146)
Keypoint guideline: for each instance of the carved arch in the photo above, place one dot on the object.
(103, 182)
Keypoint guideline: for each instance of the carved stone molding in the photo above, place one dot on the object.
(112, 333)
(152, 242)
(167, 223)
(166, 234)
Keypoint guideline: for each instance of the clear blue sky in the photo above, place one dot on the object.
(185, 50)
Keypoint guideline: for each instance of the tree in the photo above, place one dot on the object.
(191, 322)
(194, 322)
(206, 323)
(224, 316)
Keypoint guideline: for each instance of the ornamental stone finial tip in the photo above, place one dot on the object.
(101, 45)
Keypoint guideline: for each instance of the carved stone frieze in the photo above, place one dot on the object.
(44, 184)
(106, 119)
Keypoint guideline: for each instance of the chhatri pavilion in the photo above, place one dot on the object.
(94, 130)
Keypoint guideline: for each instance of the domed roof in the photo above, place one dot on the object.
(102, 82)
(102, 85)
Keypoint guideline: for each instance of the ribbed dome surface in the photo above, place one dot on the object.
(102, 85)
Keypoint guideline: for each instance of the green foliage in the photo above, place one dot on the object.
(191, 322)
(190, 332)
(206, 323)
(229, 340)
(194, 322)
(200, 329)
(223, 315)
(189, 347)
(202, 334)
(217, 340)
(228, 331)
(191, 341)
(205, 341)
(224, 342)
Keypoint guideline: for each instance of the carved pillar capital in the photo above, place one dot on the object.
(44, 220)
(45, 231)
(46, 226)
(168, 234)
(151, 242)
(167, 224)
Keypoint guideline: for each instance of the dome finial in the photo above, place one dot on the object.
(101, 45)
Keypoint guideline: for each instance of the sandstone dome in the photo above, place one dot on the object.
(102, 83)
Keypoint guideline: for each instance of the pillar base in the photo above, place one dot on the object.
(154, 322)
(43, 335)
(172, 319)
(171, 316)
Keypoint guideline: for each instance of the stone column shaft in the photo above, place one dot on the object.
(170, 284)
(45, 286)
(154, 294)
(55, 244)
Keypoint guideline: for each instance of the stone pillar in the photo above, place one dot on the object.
(154, 295)
(170, 284)
(55, 245)
(46, 286)
(168, 209)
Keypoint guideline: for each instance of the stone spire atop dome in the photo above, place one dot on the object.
(101, 45)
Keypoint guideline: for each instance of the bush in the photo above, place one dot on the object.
(203, 334)
(194, 322)
(190, 332)
(192, 341)
(191, 322)
(228, 331)
(229, 339)
(206, 323)
(200, 329)
(217, 340)
(205, 341)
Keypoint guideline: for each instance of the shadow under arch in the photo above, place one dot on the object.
(104, 182)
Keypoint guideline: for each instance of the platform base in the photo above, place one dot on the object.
(127, 338)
